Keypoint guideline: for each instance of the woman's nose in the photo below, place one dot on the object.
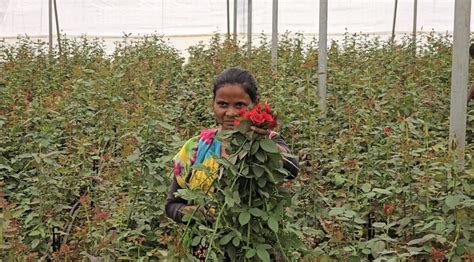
(231, 113)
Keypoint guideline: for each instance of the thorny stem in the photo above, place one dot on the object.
(137, 184)
(216, 225)
(278, 239)
(248, 225)
(454, 243)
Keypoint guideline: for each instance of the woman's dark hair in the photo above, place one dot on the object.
(238, 76)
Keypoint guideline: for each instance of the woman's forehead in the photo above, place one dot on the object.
(232, 91)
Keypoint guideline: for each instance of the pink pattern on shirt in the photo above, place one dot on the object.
(207, 135)
(177, 169)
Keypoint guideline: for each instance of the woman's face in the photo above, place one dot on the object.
(229, 99)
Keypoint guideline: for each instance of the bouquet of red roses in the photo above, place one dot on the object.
(250, 221)
(261, 116)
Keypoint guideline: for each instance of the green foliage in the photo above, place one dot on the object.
(249, 203)
(85, 140)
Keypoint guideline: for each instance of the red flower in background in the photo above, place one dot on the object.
(437, 253)
(388, 209)
(387, 131)
(261, 116)
(101, 214)
(85, 199)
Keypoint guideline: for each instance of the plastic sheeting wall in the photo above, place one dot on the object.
(204, 17)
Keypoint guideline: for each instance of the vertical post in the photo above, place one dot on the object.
(249, 27)
(228, 20)
(322, 58)
(394, 20)
(415, 14)
(58, 31)
(274, 34)
(459, 80)
(235, 21)
(50, 23)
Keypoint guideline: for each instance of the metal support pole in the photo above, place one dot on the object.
(322, 58)
(249, 27)
(394, 19)
(459, 80)
(235, 21)
(228, 20)
(274, 34)
(50, 23)
(415, 14)
(58, 31)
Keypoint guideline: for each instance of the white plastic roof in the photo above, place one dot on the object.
(204, 17)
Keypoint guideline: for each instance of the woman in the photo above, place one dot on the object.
(234, 89)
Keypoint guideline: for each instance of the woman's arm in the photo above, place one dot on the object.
(291, 164)
(174, 205)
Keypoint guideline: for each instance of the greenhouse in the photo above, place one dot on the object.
(236, 130)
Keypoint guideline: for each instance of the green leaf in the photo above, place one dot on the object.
(339, 179)
(236, 241)
(269, 146)
(133, 157)
(260, 156)
(236, 197)
(35, 243)
(261, 182)
(421, 240)
(254, 148)
(6, 167)
(336, 211)
(354, 259)
(366, 187)
(263, 246)
(35, 233)
(227, 238)
(377, 247)
(273, 224)
(452, 201)
(257, 170)
(229, 199)
(256, 212)
(382, 191)
(244, 126)
(166, 125)
(245, 170)
(244, 218)
(250, 253)
(263, 255)
(196, 241)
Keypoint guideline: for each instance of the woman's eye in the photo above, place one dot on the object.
(241, 105)
(222, 104)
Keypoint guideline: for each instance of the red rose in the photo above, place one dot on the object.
(257, 118)
(261, 116)
(243, 112)
(388, 209)
(436, 253)
(387, 131)
(269, 120)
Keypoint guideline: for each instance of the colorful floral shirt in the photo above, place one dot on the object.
(195, 165)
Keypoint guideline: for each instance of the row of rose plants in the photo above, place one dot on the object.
(86, 141)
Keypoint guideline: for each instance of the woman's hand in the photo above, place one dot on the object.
(189, 209)
(208, 214)
(267, 132)
(260, 131)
